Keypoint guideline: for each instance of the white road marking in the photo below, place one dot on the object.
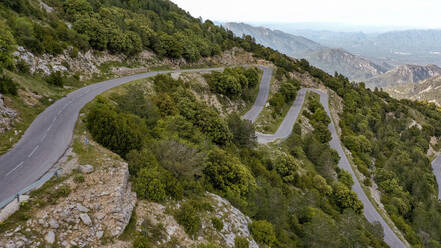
(30, 155)
(44, 137)
(16, 167)
(54, 119)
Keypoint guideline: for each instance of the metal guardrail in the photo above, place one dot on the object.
(34, 185)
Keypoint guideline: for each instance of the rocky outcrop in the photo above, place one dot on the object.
(85, 62)
(235, 223)
(7, 116)
(404, 74)
(100, 205)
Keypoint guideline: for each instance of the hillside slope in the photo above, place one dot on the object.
(404, 74)
(338, 60)
(427, 90)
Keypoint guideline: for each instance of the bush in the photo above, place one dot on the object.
(225, 172)
(241, 242)
(286, 166)
(243, 131)
(7, 85)
(118, 132)
(22, 66)
(188, 217)
(346, 178)
(263, 232)
(78, 179)
(346, 198)
(56, 79)
(148, 186)
(141, 242)
(217, 224)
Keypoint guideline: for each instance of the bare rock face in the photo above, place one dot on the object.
(87, 63)
(7, 116)
(235, 223)
(99, 207)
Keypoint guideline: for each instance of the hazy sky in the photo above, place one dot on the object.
(407, 13)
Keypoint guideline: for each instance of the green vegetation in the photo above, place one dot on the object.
(7, 85)
(376, 129)
(279, 104)
(187, 148)
(241, 242)
(217, 224)
(234, 82)
(263, 232)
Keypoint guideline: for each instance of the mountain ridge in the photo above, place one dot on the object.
(328, 59)
(404, 74)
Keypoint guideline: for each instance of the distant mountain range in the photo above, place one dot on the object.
(394, 47)
(292, 45)
(376, 72)
(329, 60)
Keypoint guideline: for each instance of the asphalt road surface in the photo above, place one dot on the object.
(284, 131)
(262, 96)
(50, 134)
(436, 167)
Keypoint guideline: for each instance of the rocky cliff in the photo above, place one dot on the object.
(404, 74)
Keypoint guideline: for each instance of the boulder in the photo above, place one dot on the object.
(53, 223)
(86, 219)
(86, 169)
(50, 237)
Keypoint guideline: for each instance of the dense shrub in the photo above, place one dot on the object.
(263, 232)
(244, 134)
(233, 82)
(241, 242)
(217, 224)
(148, 186)
(227, 173)
(7, 85)
(120, 133)
(56, 79)
(188, 216)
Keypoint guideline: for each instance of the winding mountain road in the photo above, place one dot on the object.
(50, 134)
(284, 131)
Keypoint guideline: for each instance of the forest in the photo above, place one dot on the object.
(178, 148)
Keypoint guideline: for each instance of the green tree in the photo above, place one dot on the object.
(7, 46)
(263, 232)
(225, 172)
(345, 198)
(148, 186)
(244, 134)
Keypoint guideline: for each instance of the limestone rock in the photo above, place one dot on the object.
(99, 234)
(50, 237)
(53, 223)
(82, 208)
(86, 169)
(86, 219)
